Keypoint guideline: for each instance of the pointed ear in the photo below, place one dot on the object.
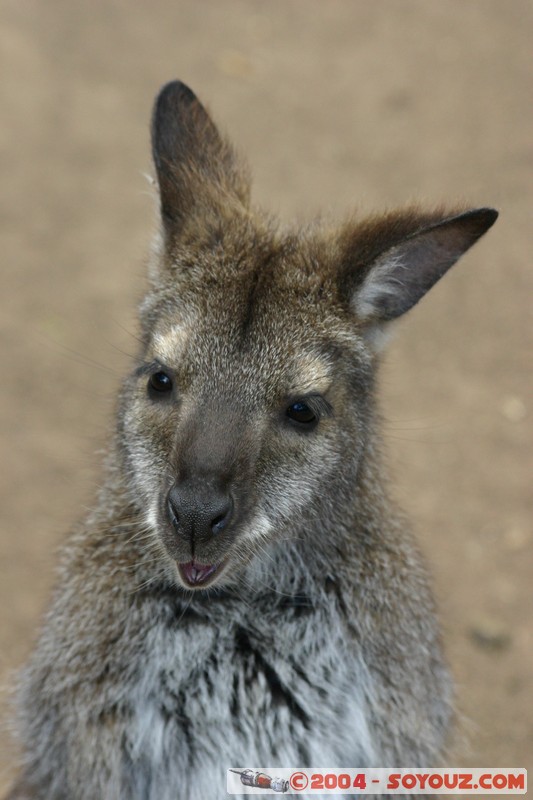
(196, 169)
(395, 260)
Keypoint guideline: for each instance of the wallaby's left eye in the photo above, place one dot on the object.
(300, 412)
(159, 383)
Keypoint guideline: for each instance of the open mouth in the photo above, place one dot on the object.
(198, 575)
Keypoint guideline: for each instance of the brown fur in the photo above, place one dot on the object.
(247, 444)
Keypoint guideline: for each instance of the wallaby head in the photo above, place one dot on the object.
(252, 409)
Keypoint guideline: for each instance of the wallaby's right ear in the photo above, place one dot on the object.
(197, 170)
(390, 262)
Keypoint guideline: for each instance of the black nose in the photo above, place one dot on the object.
(198, 511)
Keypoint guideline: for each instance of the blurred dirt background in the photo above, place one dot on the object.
(337, 104)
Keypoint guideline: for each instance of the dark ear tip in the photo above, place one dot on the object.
(174, 93)
(171, 110)
(484, 217)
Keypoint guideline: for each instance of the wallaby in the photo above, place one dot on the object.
(244, 593)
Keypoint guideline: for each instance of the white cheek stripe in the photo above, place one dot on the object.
(151, 517)
(169, 345)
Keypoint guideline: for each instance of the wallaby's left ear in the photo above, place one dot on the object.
(197, 170)
(389, 282)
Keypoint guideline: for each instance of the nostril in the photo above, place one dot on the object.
(220, 521)
(172, 513)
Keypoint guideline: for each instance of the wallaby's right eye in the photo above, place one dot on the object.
(300, 412)
(159, 384)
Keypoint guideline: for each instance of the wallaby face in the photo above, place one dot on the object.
(255, 388)
(244, 592)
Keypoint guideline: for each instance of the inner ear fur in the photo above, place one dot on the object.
(389, 262)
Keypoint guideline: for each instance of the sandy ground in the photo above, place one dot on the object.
(337, 104)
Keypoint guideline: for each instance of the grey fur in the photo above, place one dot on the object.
(317, 644)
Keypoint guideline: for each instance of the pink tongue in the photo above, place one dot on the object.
(194, 573)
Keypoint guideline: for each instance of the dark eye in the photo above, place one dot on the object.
(159, 383)
(301, 413)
